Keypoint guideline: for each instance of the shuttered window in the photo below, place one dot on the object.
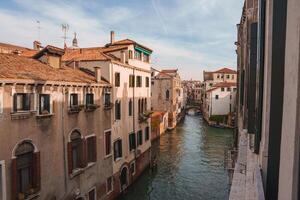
(21, 102)
(147, 133)
(131, 80)
(108, 143)
(130, 108)
(118, 149)
(91, 149)
(76, 152)
(140, 137)
(251, 94)
(118, 110)
(44, 104)
(117, 79)
(138, 81)
(132, 141)
(73, 100)
(147, 81)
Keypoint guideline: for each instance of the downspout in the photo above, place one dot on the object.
(64, 140)
(133, 103)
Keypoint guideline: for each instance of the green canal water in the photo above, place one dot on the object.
(190, 165)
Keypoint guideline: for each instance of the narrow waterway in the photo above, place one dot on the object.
(190, 165)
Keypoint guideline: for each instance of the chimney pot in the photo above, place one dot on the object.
(98, 74)
(37, 45)
(112, 37)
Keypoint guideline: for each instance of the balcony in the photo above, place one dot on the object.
(108, 106)
(91, 107)
(143, 117)
(75, 109)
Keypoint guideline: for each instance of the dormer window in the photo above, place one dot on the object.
(21, 102)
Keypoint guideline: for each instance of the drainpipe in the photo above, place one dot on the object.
(64, 139)
(133, 106)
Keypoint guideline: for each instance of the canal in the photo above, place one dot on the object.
(190, 165)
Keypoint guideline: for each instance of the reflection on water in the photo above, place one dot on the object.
(190, 163)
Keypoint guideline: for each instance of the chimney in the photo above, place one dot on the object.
(123, 57)
(112, 37)
(98, 74)
(36, 45)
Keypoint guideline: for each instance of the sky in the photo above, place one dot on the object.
(190, 35)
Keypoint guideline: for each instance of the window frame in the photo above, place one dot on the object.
(130, 167)
(95, 193)
(111, 185)
(120, 148)
(147, 133)
(216, 96)
(26, 102)
(91, 157)
(70, 100)
(147, 82)
(117, 79)
(40, 108)
(131, 80)
(132, 148)
(140, 138)
(130, 107)
(118, 110)
(139, 81)
(105, 143)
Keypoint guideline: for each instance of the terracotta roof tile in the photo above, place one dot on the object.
(19, 67)
(225, 70)
(14, 49)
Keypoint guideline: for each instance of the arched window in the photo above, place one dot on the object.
(167, 95)
(75, 152)
(25, 170)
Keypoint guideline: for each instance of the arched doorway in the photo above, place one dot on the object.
(123, 178)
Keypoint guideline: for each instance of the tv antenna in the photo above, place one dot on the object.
(65, 28)
(39, 29)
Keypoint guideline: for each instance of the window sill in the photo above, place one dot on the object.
(44, 116)
(91, 108)
(108, 156)
(20, 115)
(76, 172)
(90, 164)
(118, 159)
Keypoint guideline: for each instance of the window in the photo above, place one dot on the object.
(147, 81)
(147, 130)
(217, 96)
(140, 137)
(132, 141)
(130, 108)
(228, 89)
(91, 143)
(137, 55)
(145, 104)
(44, 104)
(146, 58)
(232, 77)
(73, 100)
(26, 170)
(109, 184)
(167, 95)
(132, 168)
(117, 79)
(92, 194)
(234, 89)
(218, 76)
(75, 152)
(222, 89)
(152, 82)
(228, 76)
(21, 102)
(107, 143)
(131, 80)
(118, 110)
(130, 54)
(89, 99)
(107, 99)
(117, 149)
(138, 81)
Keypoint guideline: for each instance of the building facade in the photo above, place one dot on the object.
(167, 95)
(268, 101)
(126, 65)
(54, 124)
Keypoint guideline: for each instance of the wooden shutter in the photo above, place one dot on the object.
(70, 158)
(83, 153)
(94, 143)
(27, 101)
(15, 102)
(36, 171)
(14, 177)
(251, 98)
